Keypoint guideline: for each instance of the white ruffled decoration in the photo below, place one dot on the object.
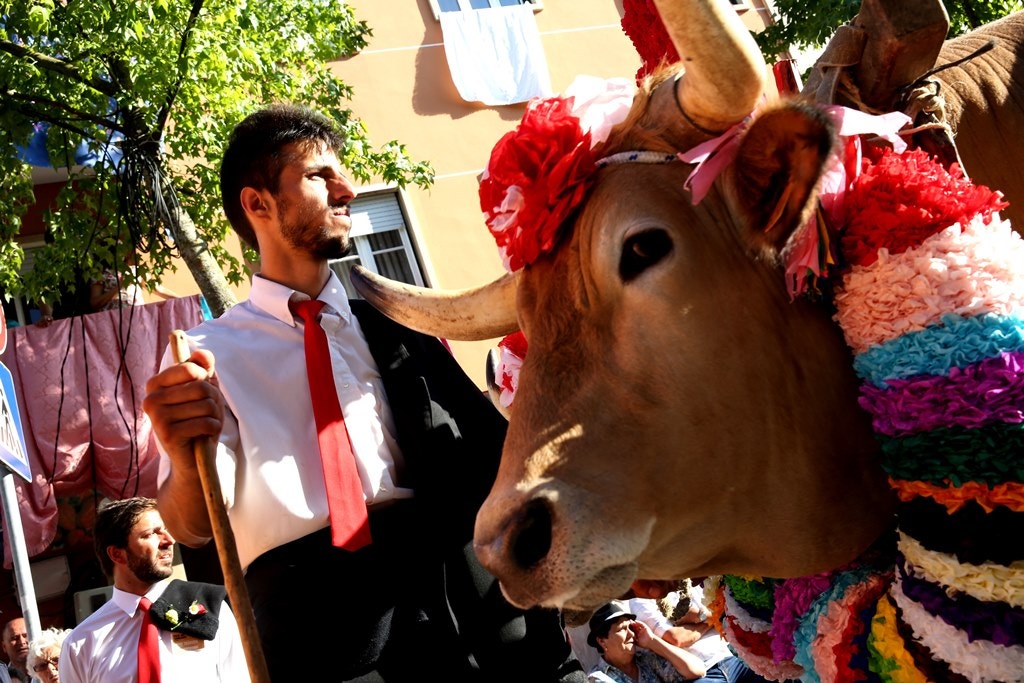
(600, 104)
(744, 619)
(970, 272)
(990, 581)
(980, 661)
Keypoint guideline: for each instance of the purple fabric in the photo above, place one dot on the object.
(974, 396)
(998, 622)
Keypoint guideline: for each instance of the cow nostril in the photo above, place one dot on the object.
(532, 539)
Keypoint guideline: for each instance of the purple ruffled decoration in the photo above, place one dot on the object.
(997, 622)
(793, 597)
(971, 397)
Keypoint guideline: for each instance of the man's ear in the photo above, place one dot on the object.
(255, 202)
(117, 555)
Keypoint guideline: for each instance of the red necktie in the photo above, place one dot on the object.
(350, 525)
(149, 646)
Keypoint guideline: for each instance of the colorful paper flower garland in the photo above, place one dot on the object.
(930, 301)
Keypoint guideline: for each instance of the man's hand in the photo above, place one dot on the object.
(642, 634)
(184, 402)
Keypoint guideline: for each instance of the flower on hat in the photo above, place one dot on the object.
(539, 172)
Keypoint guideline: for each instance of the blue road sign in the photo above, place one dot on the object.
(12, 437)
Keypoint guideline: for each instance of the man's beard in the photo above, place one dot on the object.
(307, 232)
(146, 570)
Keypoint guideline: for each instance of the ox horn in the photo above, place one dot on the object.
(725, 72)
(485, 312)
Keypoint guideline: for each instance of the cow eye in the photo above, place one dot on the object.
(641, 251)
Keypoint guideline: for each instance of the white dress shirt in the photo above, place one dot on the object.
(268, 458)
(104, 647)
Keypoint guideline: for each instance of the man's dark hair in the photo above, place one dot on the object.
(255, 155)
(114, 523)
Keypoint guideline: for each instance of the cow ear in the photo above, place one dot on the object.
(780, 160)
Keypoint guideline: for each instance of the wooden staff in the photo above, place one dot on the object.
(231, 567)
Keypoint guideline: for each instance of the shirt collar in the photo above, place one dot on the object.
(129, 602)
(273, 298)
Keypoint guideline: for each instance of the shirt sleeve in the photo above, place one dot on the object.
(646, 610)
(68, 664)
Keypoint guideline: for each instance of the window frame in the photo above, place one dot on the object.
(362, 250)
(435, 7)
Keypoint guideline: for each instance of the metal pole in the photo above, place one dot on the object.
(19, 553)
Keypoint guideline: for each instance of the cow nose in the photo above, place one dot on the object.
(529, 537)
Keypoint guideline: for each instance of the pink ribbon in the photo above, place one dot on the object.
(714, 155)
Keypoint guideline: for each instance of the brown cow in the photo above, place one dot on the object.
(980, 98)
(984, 100)
(679, 415)
(663, 343)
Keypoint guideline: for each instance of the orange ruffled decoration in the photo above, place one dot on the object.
(1009, 494)
(717, 608)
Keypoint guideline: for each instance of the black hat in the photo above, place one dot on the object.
(602, 618)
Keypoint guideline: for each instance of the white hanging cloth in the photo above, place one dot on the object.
(495, 54)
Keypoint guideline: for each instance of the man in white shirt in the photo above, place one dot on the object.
(136, 549)
(424, 440)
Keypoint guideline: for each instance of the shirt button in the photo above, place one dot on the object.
(345, 385)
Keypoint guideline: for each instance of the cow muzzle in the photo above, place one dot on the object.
(551, 546)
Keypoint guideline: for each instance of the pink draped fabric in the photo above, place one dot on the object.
(80, 384)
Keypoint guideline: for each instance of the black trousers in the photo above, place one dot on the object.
(406, 607)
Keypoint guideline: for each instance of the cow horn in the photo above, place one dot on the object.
(485, 312)
(725, 72)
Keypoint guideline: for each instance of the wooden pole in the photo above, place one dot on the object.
(224, 537)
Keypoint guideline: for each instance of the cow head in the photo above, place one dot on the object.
(677, 413)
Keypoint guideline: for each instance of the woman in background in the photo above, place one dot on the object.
(44, 653)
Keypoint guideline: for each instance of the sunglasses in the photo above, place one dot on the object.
(44, 664)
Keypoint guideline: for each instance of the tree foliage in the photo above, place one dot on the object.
(150, 89)
(810, 23)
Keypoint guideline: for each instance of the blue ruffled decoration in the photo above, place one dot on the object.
(808, 628)
(956, 343)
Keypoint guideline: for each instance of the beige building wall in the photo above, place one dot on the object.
(404, 91)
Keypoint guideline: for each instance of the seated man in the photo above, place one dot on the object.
(630, 652)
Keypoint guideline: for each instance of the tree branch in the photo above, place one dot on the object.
(29, 108)
(58, 66)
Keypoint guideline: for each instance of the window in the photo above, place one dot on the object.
(380, 241)
(439, 6)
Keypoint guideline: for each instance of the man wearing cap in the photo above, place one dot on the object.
(631, 653)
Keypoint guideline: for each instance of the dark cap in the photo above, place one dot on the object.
(602, 620)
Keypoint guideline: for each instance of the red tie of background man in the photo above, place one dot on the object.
(350, 525)
(149, 646)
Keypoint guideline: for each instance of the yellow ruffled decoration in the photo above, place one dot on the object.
(898, 664)
(1009, 494)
